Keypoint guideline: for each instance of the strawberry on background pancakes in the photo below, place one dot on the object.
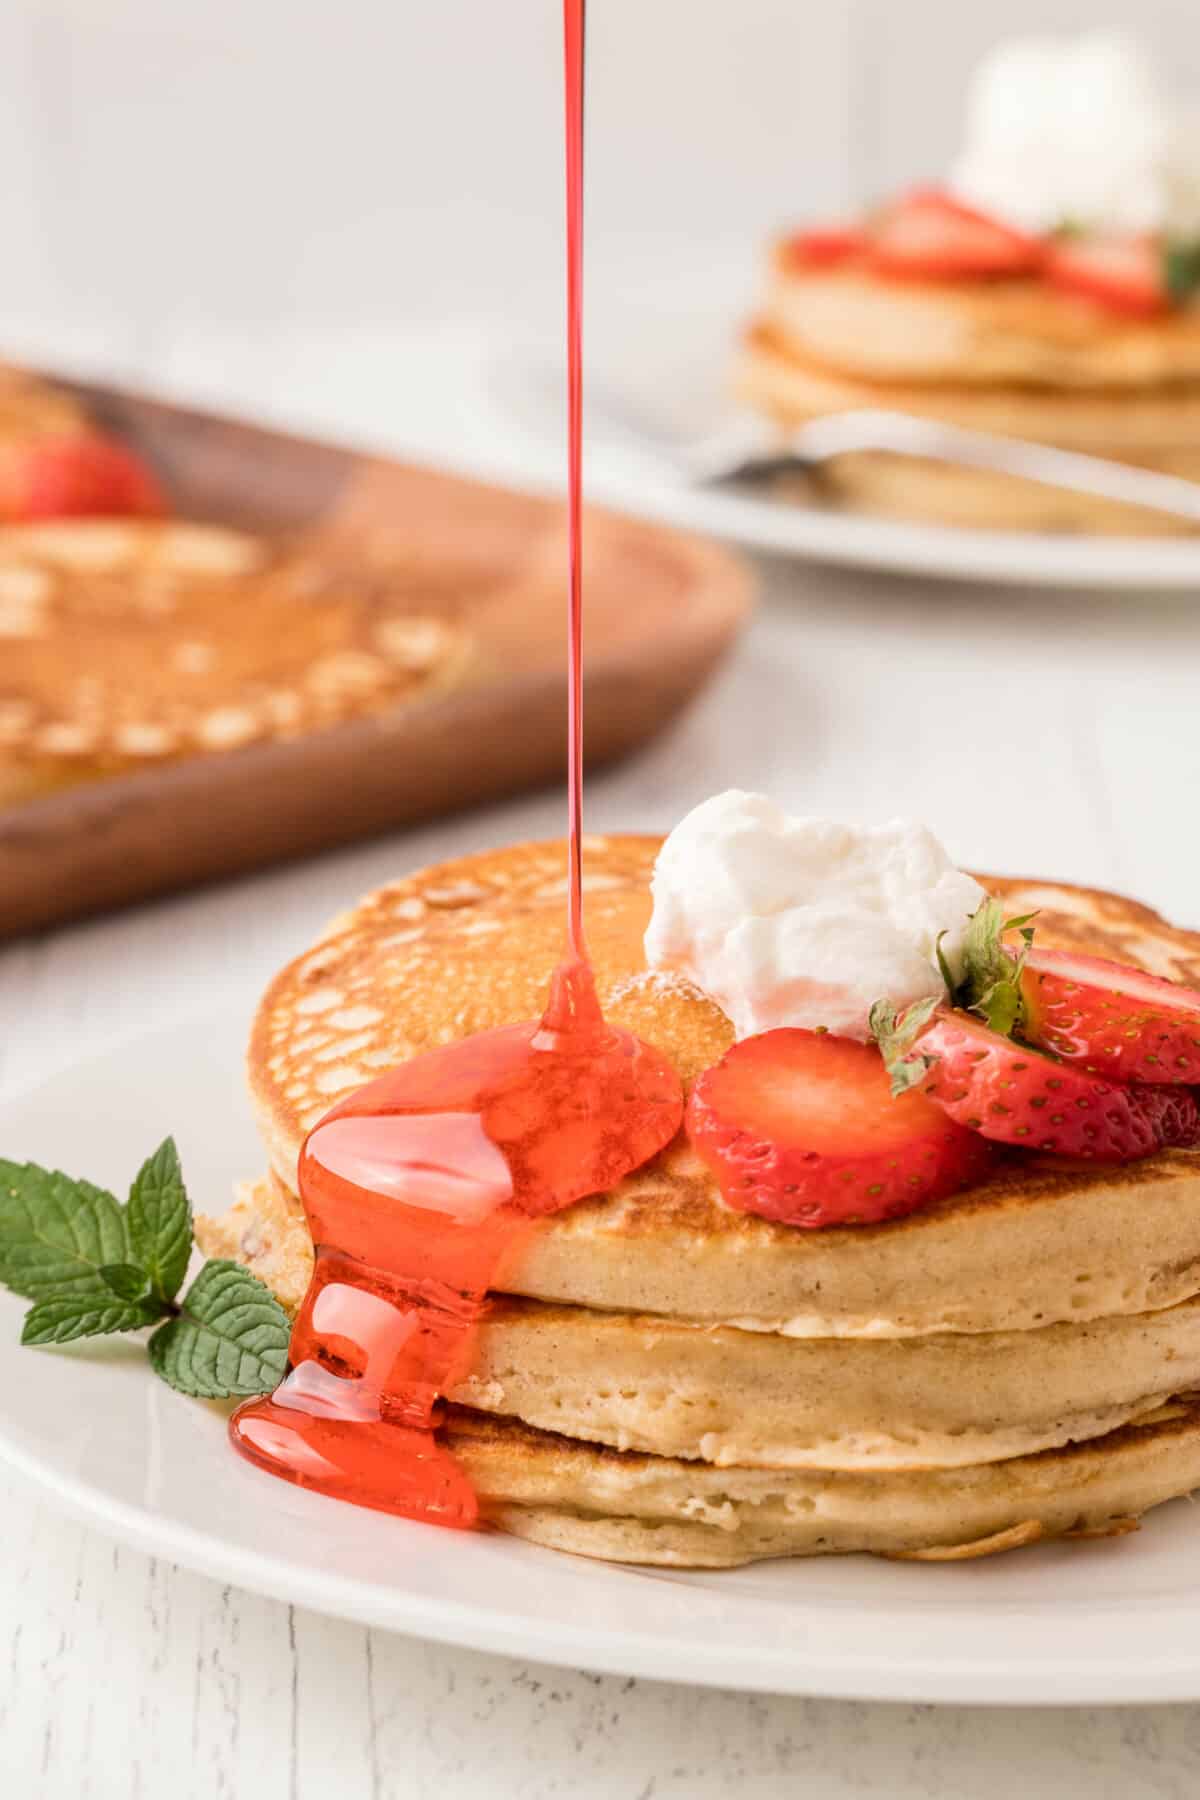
(55, 464)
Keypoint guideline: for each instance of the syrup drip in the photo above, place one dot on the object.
(422, 1187)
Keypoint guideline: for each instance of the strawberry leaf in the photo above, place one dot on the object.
(231, 1336)
(896, 1037)
(991, 982)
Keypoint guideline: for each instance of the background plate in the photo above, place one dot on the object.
(670, 374)
(1109, 1621)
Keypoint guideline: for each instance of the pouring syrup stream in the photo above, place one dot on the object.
(574, 34)
(423, 1187)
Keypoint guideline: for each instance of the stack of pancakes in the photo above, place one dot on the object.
(1015, 356)
(663, 1380)
(126, 643)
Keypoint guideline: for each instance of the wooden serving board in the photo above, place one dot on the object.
(661, 609)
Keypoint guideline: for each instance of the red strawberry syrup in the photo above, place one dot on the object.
(421, 1188)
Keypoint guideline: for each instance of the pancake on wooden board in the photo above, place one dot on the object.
(125, 644)
(32, 409)
(656, 1329)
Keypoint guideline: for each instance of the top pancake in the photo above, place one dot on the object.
(973, 332)
(470, 945)
(125, 643)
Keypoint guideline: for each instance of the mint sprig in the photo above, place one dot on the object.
(160, 1221)
(57, 1320)
(93, 1267)
(56, 1234)
(226, 1338)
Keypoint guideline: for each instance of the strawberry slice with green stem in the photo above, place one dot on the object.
(1011, 1093)
(801, 1127)
(1110, 1019)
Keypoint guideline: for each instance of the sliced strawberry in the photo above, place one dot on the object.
(929, 233)
(86, 475)
(826, 245)
(1014, 1094)
(1115, 1021)
(802, 1127)
(1125, 274)
(1174, 1114)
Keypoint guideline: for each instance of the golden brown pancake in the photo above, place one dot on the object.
(654, 1509)
(668, 1380)
(761, 1399)
(124, 644)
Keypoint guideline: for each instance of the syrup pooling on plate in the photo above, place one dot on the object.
(420, 1187)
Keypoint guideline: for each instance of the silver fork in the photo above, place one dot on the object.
(747, 449)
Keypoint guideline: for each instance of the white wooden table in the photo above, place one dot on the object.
(1036, 734)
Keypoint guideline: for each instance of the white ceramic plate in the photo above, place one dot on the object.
(106, 1441)
(669, 374)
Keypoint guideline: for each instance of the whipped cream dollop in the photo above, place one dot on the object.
(1079, 131)
(795, 921)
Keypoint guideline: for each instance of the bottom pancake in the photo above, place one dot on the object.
(622, 1507)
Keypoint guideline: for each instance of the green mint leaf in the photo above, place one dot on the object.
(61, 1317)
(160, 1220)
(125, 1280)
(896, 1036)
(56, 1234)
(991, 982)
(231, 1336)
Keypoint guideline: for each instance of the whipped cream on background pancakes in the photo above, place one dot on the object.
(1081, 132)
(789, 921)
